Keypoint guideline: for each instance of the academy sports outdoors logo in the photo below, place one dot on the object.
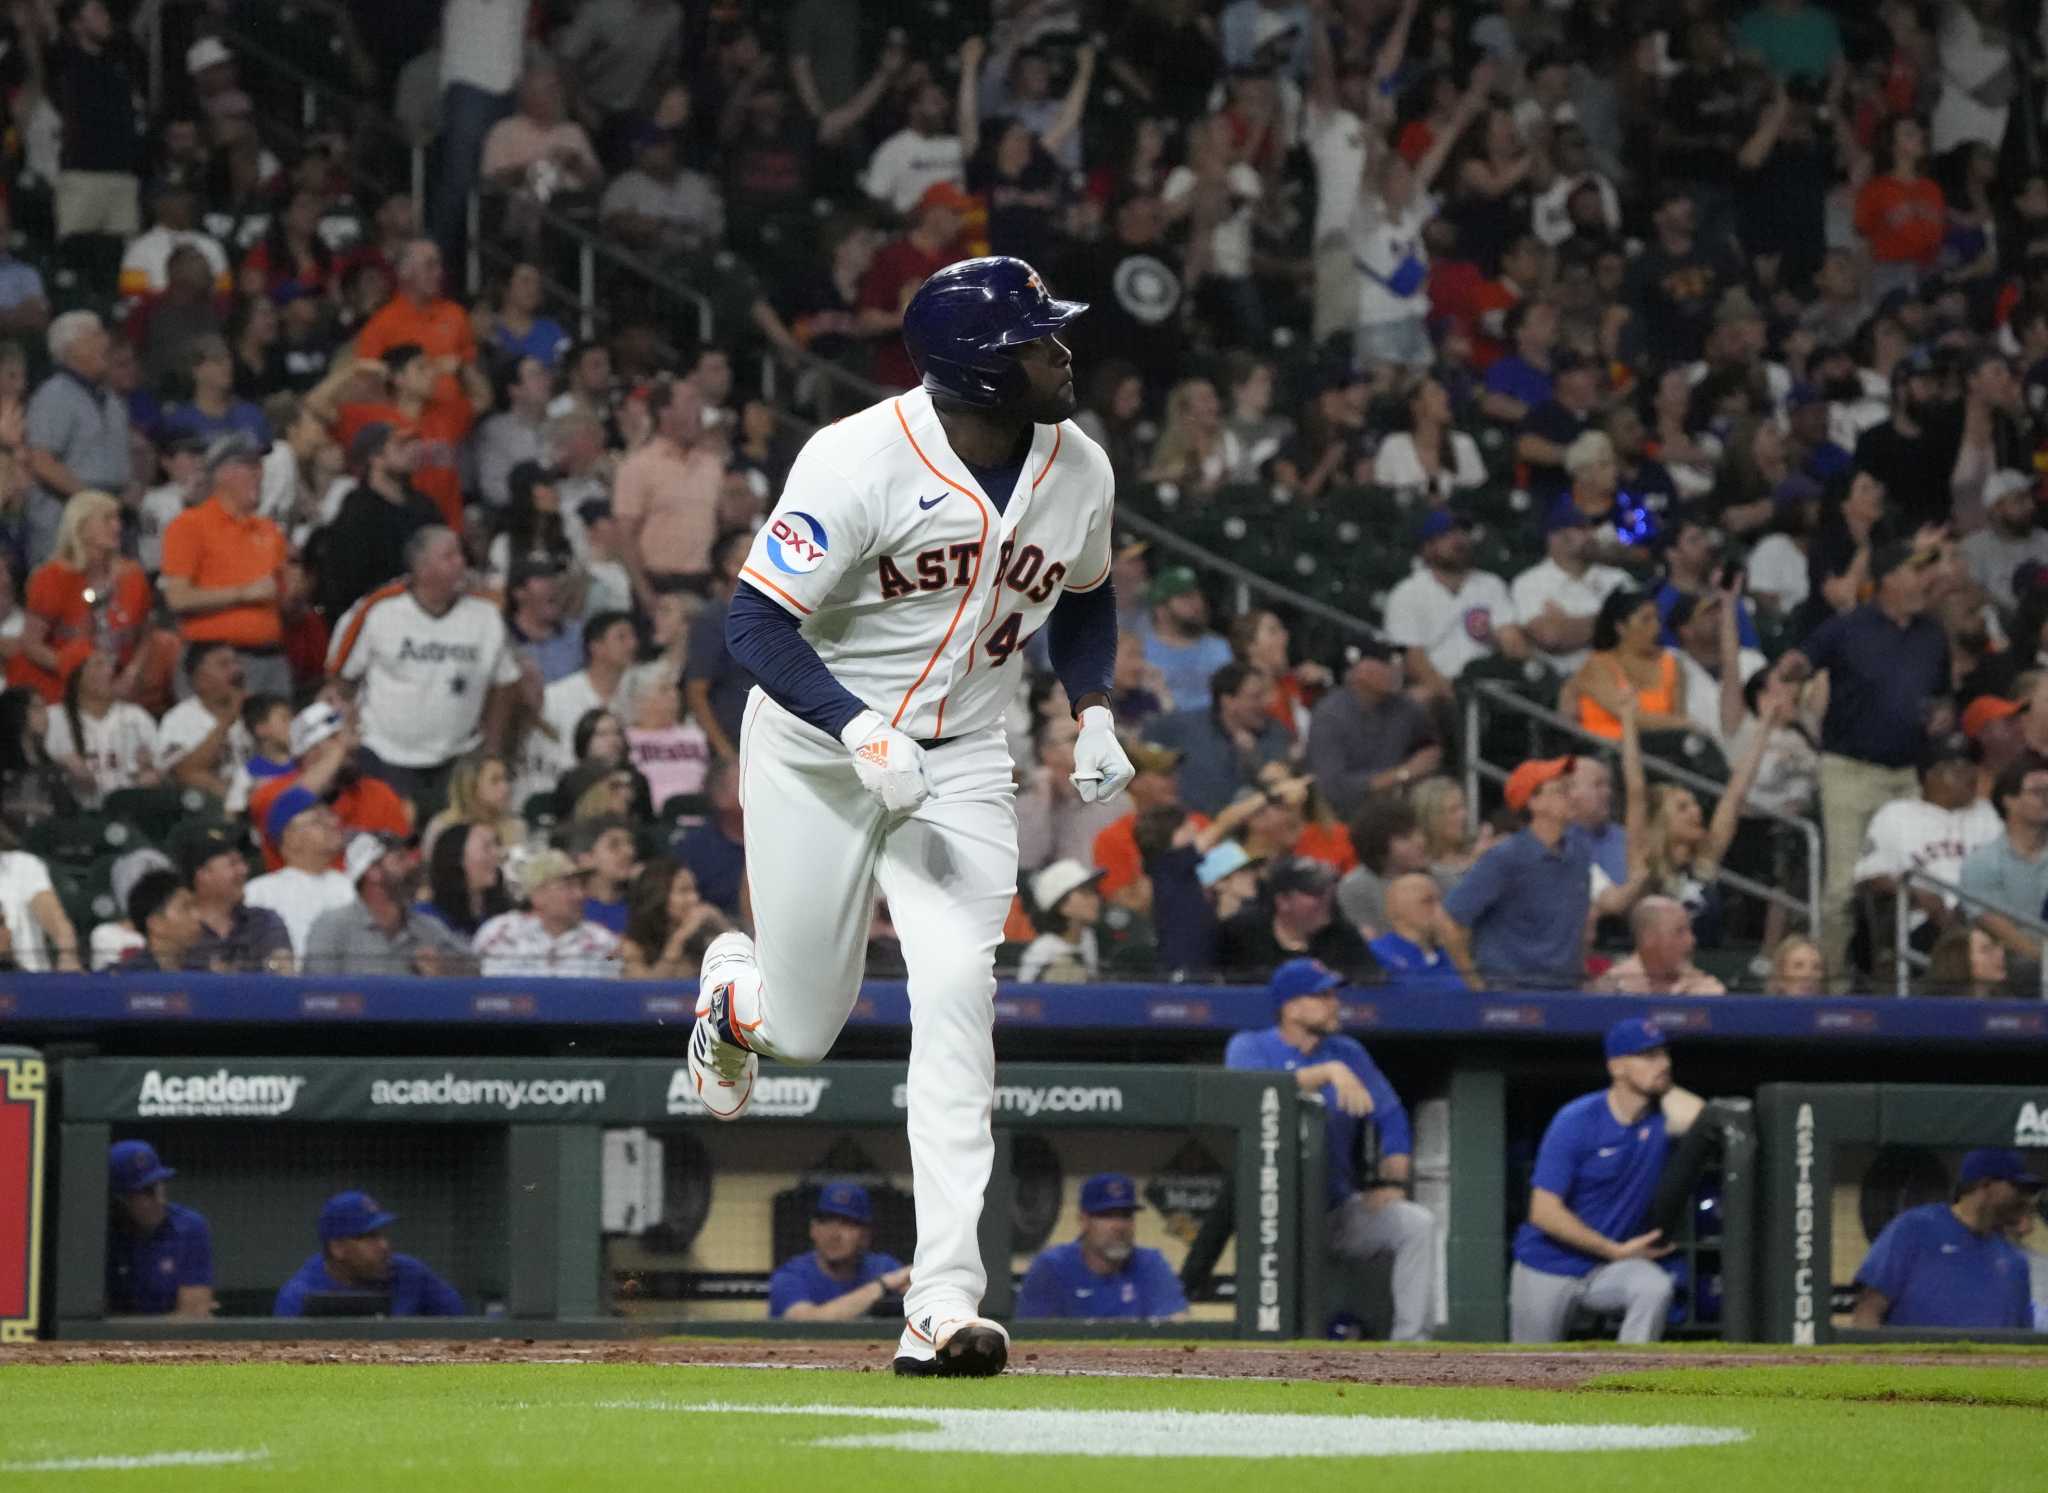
(796, 543)
(2031, 1128)
(216, 1094)
(784, 1097)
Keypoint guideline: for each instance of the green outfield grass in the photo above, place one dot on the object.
(514, 1427)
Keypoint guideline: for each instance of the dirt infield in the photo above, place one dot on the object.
(1419, 1367)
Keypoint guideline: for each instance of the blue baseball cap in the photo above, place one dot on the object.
(350, 1215)
(1298, 977)
(1226, 859)
(1996, 1164)
(847, 1200)
(1636, 1035)
(1108, 1192)
(133, 1165)
(1438, 522)
(1564, 514)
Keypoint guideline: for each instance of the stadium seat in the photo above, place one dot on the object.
(158, 811)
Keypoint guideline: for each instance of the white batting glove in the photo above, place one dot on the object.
(890, 765)
(1101, 770)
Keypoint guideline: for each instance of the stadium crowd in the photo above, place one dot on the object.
(1681, 368)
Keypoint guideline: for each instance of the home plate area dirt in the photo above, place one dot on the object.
(1477, 1367)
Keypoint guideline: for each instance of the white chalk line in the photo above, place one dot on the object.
(1184, 1433)
(141, 1463)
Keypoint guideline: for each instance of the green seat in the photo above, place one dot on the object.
(156, 812)
(80, 839)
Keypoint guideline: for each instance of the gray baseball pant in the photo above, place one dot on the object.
(1541, 1304)
(1405, 1230)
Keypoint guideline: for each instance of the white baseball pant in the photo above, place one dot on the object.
(1540, 1305)
(817, 846)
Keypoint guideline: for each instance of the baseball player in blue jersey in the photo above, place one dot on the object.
(356, 1259)
(1103, 1273)
(838, 1279)
(1596, 1173)
(1952, 1264)
(916, 547)
(1379, 1223)
(159, 1254)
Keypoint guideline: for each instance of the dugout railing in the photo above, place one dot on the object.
(498, 1167)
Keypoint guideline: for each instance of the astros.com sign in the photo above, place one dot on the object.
(220, 1093)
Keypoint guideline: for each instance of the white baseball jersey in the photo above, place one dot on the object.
(912, 588)
(1911, 834)
(1452, 627)
(424, 678)
(118, 747)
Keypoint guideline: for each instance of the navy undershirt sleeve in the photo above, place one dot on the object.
(1080, 638)
(764, 640)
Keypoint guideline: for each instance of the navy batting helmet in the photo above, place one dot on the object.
(962, 319)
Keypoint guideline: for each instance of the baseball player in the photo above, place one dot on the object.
(917, 546)
(838, 1279)
(1584, 1243)
(1103, 1273)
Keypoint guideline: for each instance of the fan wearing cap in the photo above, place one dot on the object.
(434, 399)
(1952, 1264)
(550, 936)
(1998, 727)
(839, 1279)
(380, 929)
(2012, 538)
(1067, 906)
(1559, 599)
(356, 1259)
(1103, 1274)
(1298, 917)
(233, 934)
(309, 837)
(1889, 679)
(159, 1253)
(1448, 615)
(1584, 1244)
(1933, 832)
(323, 742)
(222, 564)
(184, 459)
(364, 546)
(1371, 1225)
(1369, 737)
(1180, 643)
(1519, 914)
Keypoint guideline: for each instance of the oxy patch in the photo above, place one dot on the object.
(1189, 1433)
(142, 1462)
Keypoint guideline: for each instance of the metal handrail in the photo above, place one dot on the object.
(1497, 693)
(1907, 958)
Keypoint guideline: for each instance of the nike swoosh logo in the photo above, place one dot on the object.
(1609, 1150)
(930, 503)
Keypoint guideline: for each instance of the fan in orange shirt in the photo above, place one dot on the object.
(417, 399)
(323, 744)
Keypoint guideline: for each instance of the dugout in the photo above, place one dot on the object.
(1840, 1161)
(591, 1197)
